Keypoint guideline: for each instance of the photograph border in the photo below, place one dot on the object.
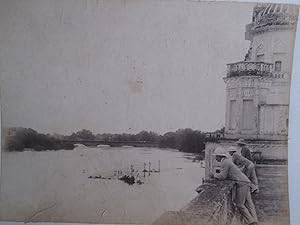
(294, 130)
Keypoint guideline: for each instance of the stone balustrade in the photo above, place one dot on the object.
(248, 68)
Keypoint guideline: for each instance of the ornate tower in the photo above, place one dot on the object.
(257, 89)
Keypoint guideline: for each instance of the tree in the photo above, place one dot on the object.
(186, 140)
(168, 140)
(83, 135)
(147, 136)
(22, 138)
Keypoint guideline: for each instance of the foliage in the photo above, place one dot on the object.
(83, 135)
(19, 139)
(186, 140)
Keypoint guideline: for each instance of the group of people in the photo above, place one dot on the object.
(236, 165)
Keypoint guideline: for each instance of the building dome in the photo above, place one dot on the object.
(272, 9)
(275, 14)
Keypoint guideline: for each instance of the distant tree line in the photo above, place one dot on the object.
(185, 140)
(19, 139)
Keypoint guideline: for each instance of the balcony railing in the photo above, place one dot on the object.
(247, 68)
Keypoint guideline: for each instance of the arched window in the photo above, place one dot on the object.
(278, 66)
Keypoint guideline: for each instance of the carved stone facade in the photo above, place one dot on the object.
(257, 89)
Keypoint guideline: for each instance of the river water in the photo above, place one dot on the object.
(54, 186)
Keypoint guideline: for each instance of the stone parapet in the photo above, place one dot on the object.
(213, 206)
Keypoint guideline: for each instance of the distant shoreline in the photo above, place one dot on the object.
(185, 140)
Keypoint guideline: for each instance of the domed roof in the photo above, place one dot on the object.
(265, 15)
(278, 9)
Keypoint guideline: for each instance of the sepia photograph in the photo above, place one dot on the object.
(152, 112)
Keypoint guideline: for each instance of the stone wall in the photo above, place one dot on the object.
(256, 107)
(213, 206)
(271, 150)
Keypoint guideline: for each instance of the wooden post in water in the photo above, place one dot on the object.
(131, 170)
(159, 166)
(149, 168)
(144, 170)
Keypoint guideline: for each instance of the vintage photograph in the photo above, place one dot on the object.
(152, 112)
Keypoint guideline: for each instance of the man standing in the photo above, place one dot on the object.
(247, 166)
(245, 151)
(243, 200)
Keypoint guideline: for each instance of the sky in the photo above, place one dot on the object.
(118, 66)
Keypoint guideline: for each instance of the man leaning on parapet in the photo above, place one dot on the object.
(245, 151)
(243, 199)
(246, 166)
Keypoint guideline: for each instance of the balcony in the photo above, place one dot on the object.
(247, 68)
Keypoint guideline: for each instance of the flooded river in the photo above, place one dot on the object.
(55, 186)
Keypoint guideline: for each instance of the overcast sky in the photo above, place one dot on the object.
(118, 66)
